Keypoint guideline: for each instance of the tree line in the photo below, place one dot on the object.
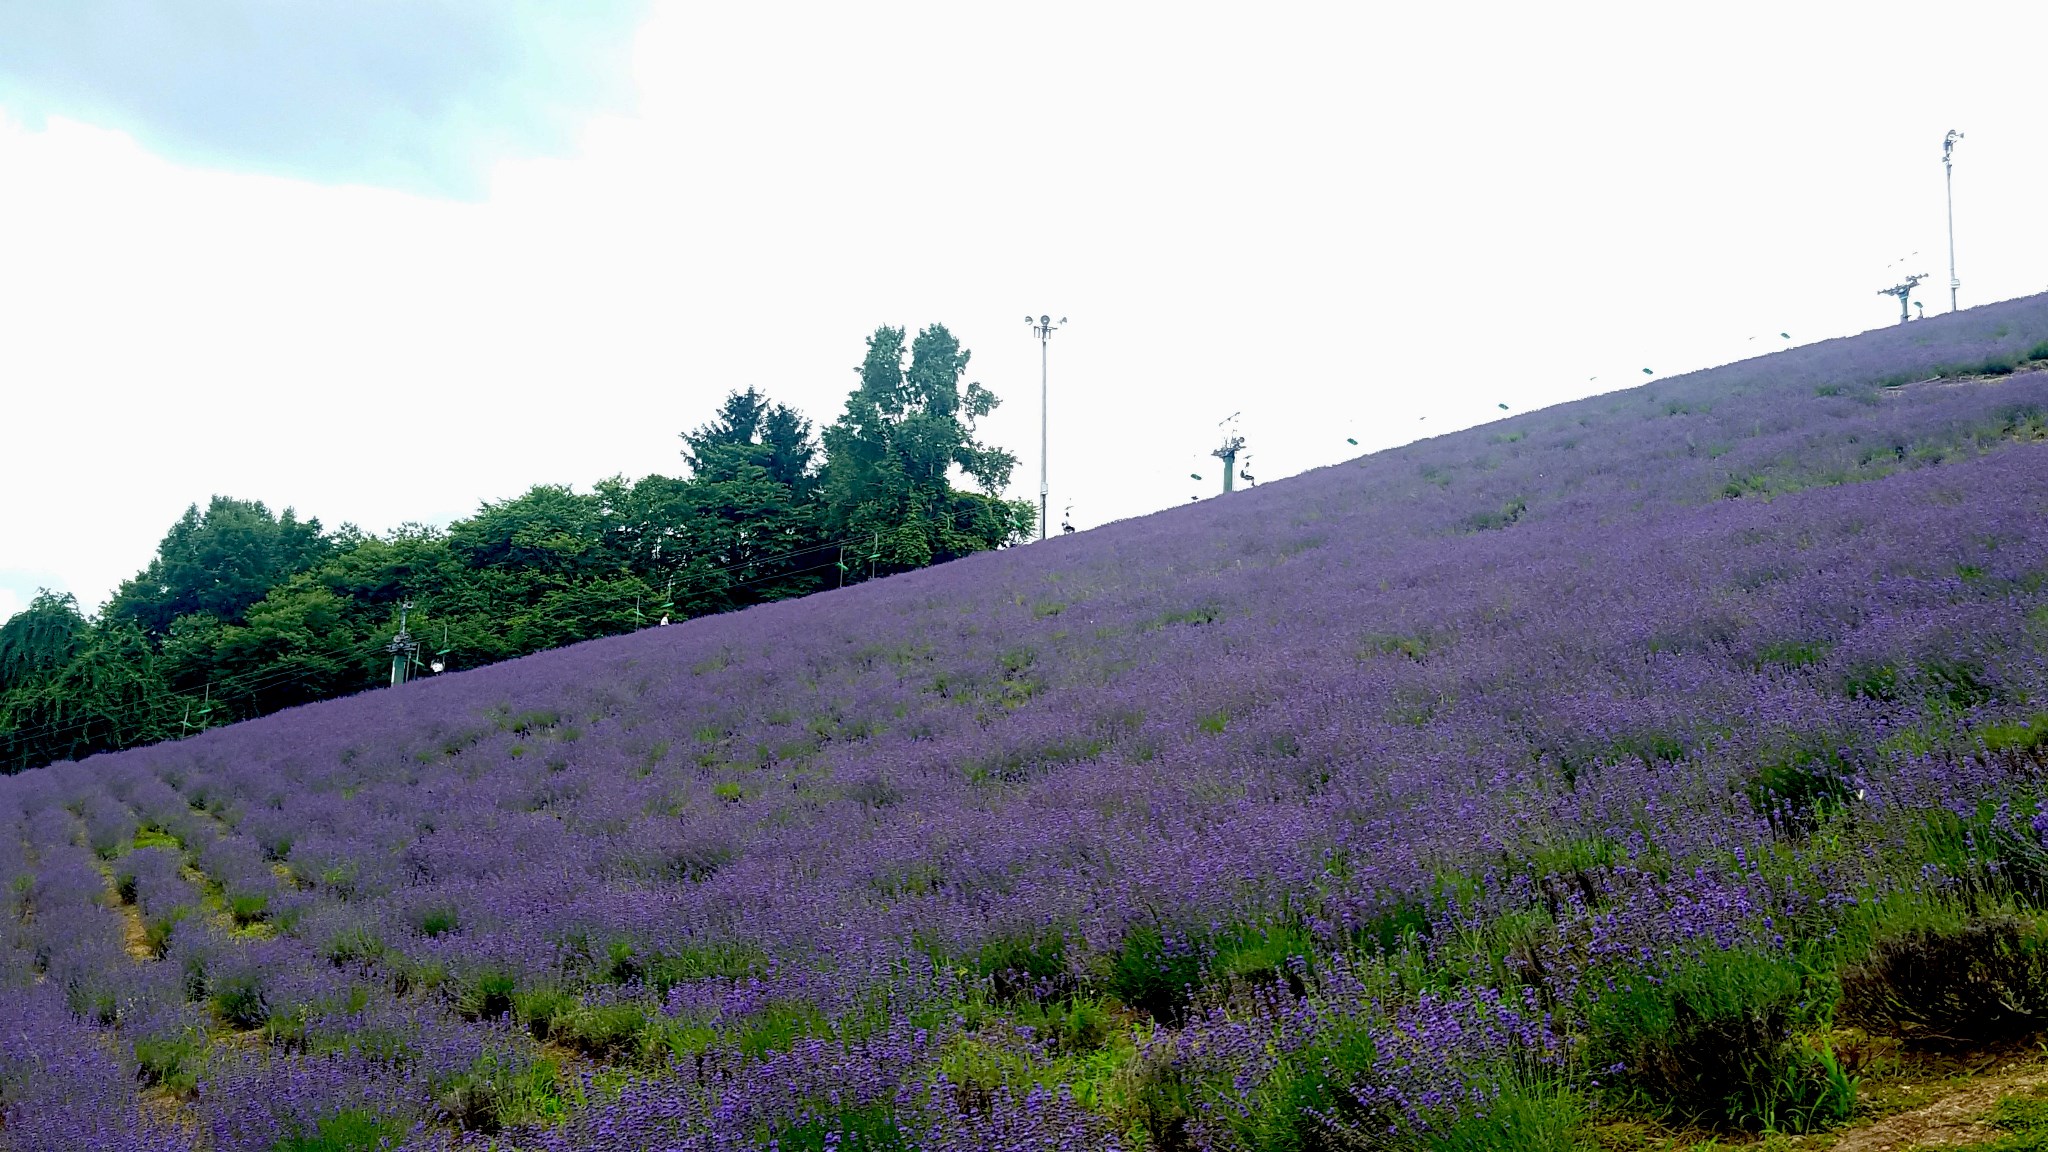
(242, 612)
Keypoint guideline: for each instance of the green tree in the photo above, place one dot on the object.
(747, 518)
(749, 432)
(41, 638)
(300, 643)
(219, 562)
(552, 531)
(892, 453)
(111, 694)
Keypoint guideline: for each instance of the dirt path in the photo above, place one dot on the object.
(1953, 1120)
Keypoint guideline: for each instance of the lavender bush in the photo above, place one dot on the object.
(1426, 801)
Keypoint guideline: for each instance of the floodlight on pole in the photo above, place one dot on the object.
(1948, 169)
(1904, 291)
(1043, 326)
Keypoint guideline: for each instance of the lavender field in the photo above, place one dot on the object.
(1612, 759)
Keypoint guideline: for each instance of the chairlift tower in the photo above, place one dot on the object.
(1904, 291)
(1948, 169)
(1232, 445)
(1043, 327)
(403, 647)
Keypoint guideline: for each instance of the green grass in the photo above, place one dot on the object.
(1263, 956)
(2017, 736)
(171, 1062)
(870, 1129)
(356, 1130)
(1525, 1117)
(438, 921)
(778, 1026)
(2023, 1120)
(148, 837)
(1199, 615)
(248, 908)
(1416, 648)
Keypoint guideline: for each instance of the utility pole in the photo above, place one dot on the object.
(1903, 291)
(1948, 168)
(1044, 326)
(402, 647)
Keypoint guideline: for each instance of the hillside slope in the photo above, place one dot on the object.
(1405, 802)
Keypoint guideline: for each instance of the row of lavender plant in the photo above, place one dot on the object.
(1400, 769)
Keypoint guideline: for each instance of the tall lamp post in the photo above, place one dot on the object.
(1043, 327)
(1948, 168)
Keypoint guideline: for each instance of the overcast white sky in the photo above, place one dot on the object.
(380, 262)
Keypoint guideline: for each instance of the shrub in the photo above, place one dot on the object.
(602, 1031)
(1292, 1109)
(487, 995)
(1265, 956)
(1155, 973)
(1796, 786)
(156, 933)
(170, 1061)
(1019, 967)
(438, 920)
(1717, 1042)
(1978, 983)
(239, 1000)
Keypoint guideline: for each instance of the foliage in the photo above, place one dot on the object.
(243, 613)
(218, 563)
(891, 454)
(40, 639)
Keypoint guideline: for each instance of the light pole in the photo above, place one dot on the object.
(1948, 168)
(1043, 326)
